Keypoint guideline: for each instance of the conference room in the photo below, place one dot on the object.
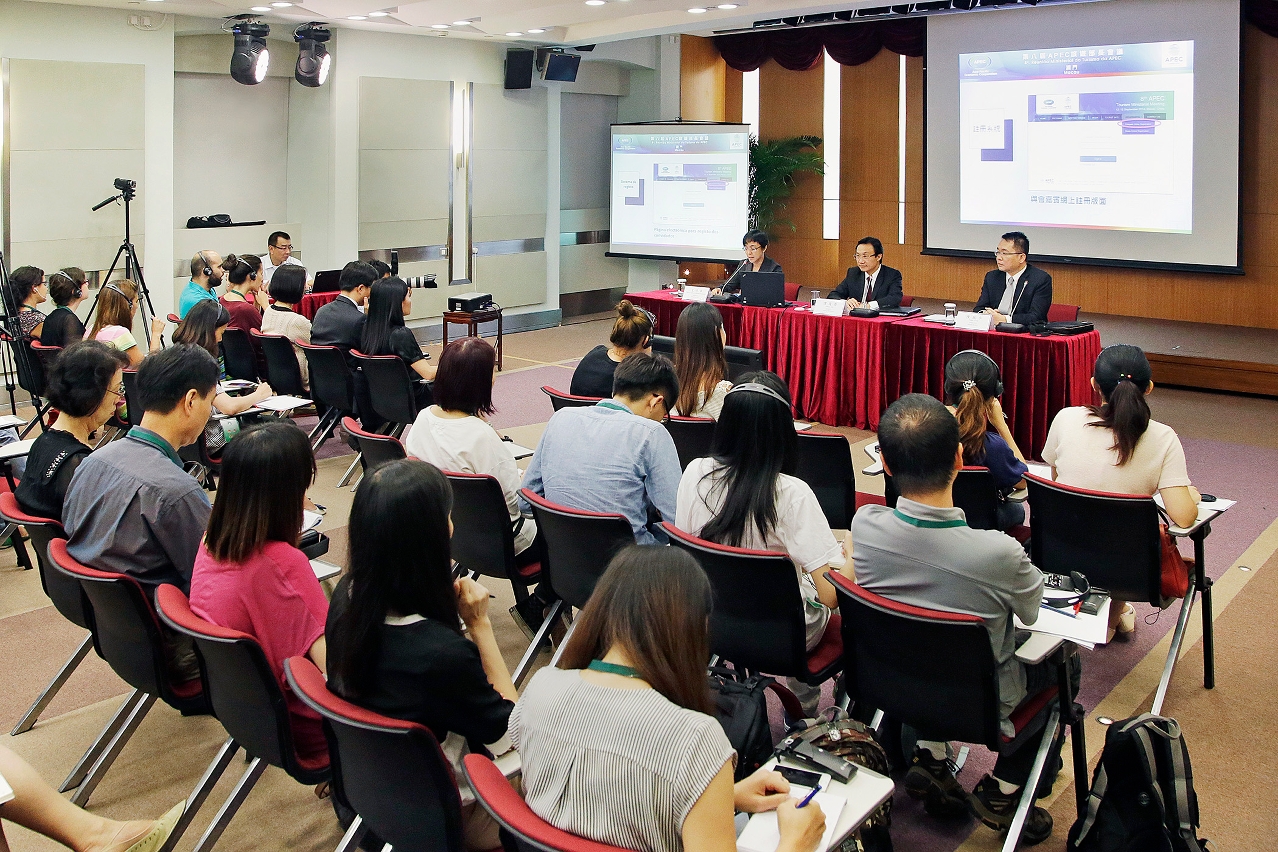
(1049, 217)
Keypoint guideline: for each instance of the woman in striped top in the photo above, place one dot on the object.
(625, 720)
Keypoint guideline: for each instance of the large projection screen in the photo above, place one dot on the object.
(1106, 131)
(679, 191)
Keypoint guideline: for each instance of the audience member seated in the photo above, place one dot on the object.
(67, 289)
(745, 494)
(117, 306)
(972, 390)
(619, 744)
(249, 575)
(615, 456)
(453, 434)
(279, 253)
(382, 267)
(132, 508)
(699, 362)
(340, 322)
(85, 384)
(38, 807)
(1116, 447)
(243, 299)
(389, 301)
(203, 327)
(287, 288)
(206, 275)
(631, 333)
(922, 553)
(395, 635)
(27, 288)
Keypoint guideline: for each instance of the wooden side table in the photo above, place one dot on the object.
(472, 320)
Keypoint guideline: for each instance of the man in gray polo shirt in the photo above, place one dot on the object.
(131, 508)
(923, 553)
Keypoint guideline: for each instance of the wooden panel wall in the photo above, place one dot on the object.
(702, 74)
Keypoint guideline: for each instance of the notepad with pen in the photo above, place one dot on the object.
(762, 833)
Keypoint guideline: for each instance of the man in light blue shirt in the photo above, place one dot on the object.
(206, 274)
(615, 456)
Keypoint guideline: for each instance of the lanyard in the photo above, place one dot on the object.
(613, 668)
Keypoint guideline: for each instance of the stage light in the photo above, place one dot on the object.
(251, 58)
(313, 58)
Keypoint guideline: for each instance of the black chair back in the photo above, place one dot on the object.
(131, 403)
(559, 399)
(825, 464)
(692, 437)
(241, 688)
(282, 370)
(482, 537)
(1113, 539)
(757, 621)
(46, 355)
(376, 449)
(240, 357)
(65, 592)
(662, 345)
(31, 377)
(579, 545)
(390, 388)
(932, 670)
(977, 495)
(741, 360)
(331, 381)
(392, 772)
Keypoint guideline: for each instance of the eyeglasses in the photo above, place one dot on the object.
(283, 247)
(1001, 253)
(860, 256)
(117, 391)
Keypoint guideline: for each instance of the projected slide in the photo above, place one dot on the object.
(679, 192)
(1079, 137)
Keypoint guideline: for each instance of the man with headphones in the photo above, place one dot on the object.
(206, 274)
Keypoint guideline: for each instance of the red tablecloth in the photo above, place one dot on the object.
(312, 303)
(1041, 375)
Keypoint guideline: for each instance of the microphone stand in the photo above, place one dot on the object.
(132, 266)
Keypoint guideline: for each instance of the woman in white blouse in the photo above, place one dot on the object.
(453, 434)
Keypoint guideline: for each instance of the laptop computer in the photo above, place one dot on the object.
(763, 289)
(326, 281)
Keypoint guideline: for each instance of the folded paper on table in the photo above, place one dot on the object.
(762, 834)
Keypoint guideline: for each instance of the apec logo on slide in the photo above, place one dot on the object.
(979, 63)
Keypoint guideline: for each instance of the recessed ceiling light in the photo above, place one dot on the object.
(461, 23)
(536, 31)
(726, 6)
(357, 17)
(696, 10)
(280, 4)
(439, 26)
(513, 35)
(594, 2)
(378, 14)
(260, 9)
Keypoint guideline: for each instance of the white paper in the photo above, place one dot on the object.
(323, 570)
(937, 318)
(969, 321)
(1042, 471)
(762, 834)
(6, 792)
(234, 385)
(800, 427)
(311, 520)
(1084, 629)
(11, 420)
(829, 307)
(283, 403)
(518, 450)
(696, 294)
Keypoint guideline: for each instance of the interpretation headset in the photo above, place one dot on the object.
(756, 387)
(79, 287)
(111, 286)
(998, 373)
(207, 272)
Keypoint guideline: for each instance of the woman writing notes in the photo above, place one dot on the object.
(756, 260)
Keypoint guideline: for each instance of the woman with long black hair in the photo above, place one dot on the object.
(389, 301)
(699, 362)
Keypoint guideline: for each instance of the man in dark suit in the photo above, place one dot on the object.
(870, 284)
(340, 322)
(1015, 292)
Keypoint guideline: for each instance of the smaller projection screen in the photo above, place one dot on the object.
(679, 192)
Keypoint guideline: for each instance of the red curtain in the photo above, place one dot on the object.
(799, 49)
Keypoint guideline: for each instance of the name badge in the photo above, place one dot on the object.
(829, 307)
(969, 321)
(696, 294)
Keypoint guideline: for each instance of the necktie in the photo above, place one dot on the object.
(869, 287)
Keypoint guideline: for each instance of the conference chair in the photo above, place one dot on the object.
(741, 360)
(907, 301)
(390, 389)
(332, 386)
(1062, 313)
(239, 355)
(133, 408)
(45, 354)
(825, 464)
(935, 671)
(65, 594)
(391, 771)
(692, 437)
(757, 622)
(974, 492)
(1115, 541)
(530, 832)
(31, 378)
(483, 541)
(246, 698)
(579, 546)
(662, 345)
(560, 399)
(791, 291)
(282, 370)
(374, 449)
(126, 633)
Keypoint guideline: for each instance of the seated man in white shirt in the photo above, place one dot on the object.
(279, 251)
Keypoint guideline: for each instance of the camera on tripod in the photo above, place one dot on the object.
(126, 186)
(420, 281)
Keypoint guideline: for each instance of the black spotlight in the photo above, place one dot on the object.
(313, 59)
(251, 58)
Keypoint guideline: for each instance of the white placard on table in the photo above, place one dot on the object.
(969, 321)
(696, 294)
(829, 307)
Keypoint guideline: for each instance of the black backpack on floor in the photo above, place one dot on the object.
(1142, 797)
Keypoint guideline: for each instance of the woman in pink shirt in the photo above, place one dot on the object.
(249, 575)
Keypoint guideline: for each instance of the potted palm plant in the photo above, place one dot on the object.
(774, 167)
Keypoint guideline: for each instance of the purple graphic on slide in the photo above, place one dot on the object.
(1004, 154)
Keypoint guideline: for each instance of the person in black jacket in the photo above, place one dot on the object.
(870, 284)
(1015, 292)
(756, 251)
(63, 327)
(340, 322)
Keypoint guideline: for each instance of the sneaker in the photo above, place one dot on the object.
(933, 781)
(995, 808)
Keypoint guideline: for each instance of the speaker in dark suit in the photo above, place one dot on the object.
(884, 281)
(1032, 295)
(340, 323)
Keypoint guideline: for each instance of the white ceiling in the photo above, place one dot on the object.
(568, 22)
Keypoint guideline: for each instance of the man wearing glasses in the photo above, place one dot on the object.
(279, 251)
(1015, 292)
(870, 284)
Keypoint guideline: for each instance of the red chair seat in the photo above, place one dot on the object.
(863, 499)
(529, 572)
(187, 689)
(1029, 709)
(829, 651)
(1020, 533)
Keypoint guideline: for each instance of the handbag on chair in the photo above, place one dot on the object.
(1175, 573)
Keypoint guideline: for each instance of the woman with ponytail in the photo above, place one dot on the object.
(1116, 447)
(972, 389)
